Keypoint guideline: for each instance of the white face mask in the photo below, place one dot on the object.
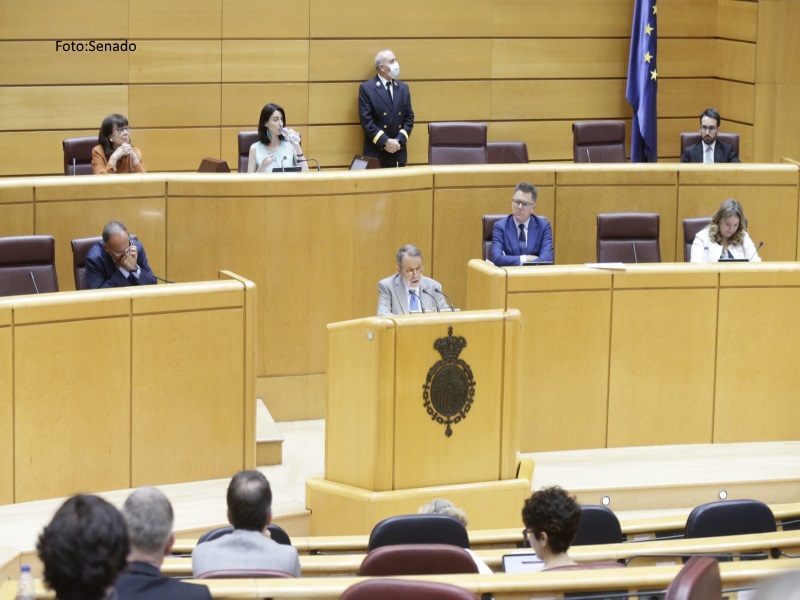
(394, 69)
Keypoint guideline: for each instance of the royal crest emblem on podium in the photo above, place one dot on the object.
(449, 389)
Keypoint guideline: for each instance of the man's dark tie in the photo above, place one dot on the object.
(389, 89)
(523, 243)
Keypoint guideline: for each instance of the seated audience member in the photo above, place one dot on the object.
(407, 291)
(83, 549)
(248, 545)
(273, 150)
(551, 519)
(709, 149)
(522, 237)
(445, 507)
(117, 261)
(148, 515)
(725, 237)
(114, 152)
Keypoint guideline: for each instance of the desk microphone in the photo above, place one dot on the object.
(435, 301)
(283, 158)
(74, 167)
(756, 252)
(36, 287)
(159, 278)
(635, 258)
(447, 299)
(316, 161)
(588, 156)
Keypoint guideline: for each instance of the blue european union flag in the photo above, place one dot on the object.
(642, 90)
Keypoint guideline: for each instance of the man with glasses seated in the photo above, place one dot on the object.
(408, 291)
(117, 261)
(709, 149)
(522, 237)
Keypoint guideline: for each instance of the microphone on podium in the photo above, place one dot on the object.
(756, 252)
(447, 299)
(635, 258)
(435, 302)
(36, 287)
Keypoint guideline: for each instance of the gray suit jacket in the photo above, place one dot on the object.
(242, 549)
(393, 297)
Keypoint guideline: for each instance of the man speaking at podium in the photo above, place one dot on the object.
(117, 261)
(408, 291)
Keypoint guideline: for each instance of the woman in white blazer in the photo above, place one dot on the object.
(725, 237)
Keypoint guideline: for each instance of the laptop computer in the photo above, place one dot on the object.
(361, 162)
(522, 563)
(287, 169)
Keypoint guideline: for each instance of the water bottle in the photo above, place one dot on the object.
(705, 255)
(25, 586)
(291, 136)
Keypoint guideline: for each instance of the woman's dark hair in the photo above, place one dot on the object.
(84, 548)
(264, 135)
(107, 128)
(556, 513)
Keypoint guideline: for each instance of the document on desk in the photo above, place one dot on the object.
(613, 266)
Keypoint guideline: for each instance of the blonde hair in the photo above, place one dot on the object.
(727, 209)
(444, 507)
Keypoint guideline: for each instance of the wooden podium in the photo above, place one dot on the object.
(421, 407)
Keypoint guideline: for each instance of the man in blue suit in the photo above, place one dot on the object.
(117, 261)
(522, 237)
(384, 107)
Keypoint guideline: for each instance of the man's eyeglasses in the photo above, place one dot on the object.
(708, 127)
(417, 271)
(521, 203)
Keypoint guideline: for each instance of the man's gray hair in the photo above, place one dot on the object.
(379, 58)
(409, 249)
(149, 517)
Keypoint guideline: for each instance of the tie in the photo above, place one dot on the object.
(707, 158)
(523, 243)
(414, 301)
(389, 89)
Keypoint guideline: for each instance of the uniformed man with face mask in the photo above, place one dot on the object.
(384, 107)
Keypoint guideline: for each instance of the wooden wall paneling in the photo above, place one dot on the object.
(74, 20)
(420, 59)
(680, 57)
(553, 58)
(546, 140)
(6, 406)
(686, 18)
(669, 136)
(559, 99)
(685, 97)
(242, 103)
(336, 145)
(579, 18)
(245, 19)
(77, 460)
(265, 61)
(176, 61)
(294, 397)
(735, 101)
(47, 107)
(736, 60)
(16, 207)
(68, 220)
(778, 42)
(152, 106)
(177, 19)
(421, 19)
(737, 20)
(177, 149)
(39, 63)
(36, 152)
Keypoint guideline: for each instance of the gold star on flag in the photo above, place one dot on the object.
(655, 9)
(647, 29)
(653, 74)
(647, 57)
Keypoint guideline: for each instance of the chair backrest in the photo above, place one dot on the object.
(403, 589)
(730, 517)
(598, 141)
(246, 139)
(507, 152)
(418, 529)
(457, 143)
(488, 225)
(276, 532)
(78, 149)
(628, 237)
(598, 525)
(698, 580)
(691, 227)
(692, 138)
(80, 248)
(27, 262)
(246, 574)
(417, 559)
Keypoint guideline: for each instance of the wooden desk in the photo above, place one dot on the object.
(112, 389)
(652, 354)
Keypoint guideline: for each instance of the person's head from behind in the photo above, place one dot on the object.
(116, 239)
(523, 202)
(728, 223)
(83, 549)
(444, 507)
(272, 119)
(709, 125)
(551, 518)
(409, 265)
(114, 132)
(149, 519)
(249, 501)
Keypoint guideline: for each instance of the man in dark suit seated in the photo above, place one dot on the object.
(522, 237)
(709, 150)
(148, 516)
(117, 261)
